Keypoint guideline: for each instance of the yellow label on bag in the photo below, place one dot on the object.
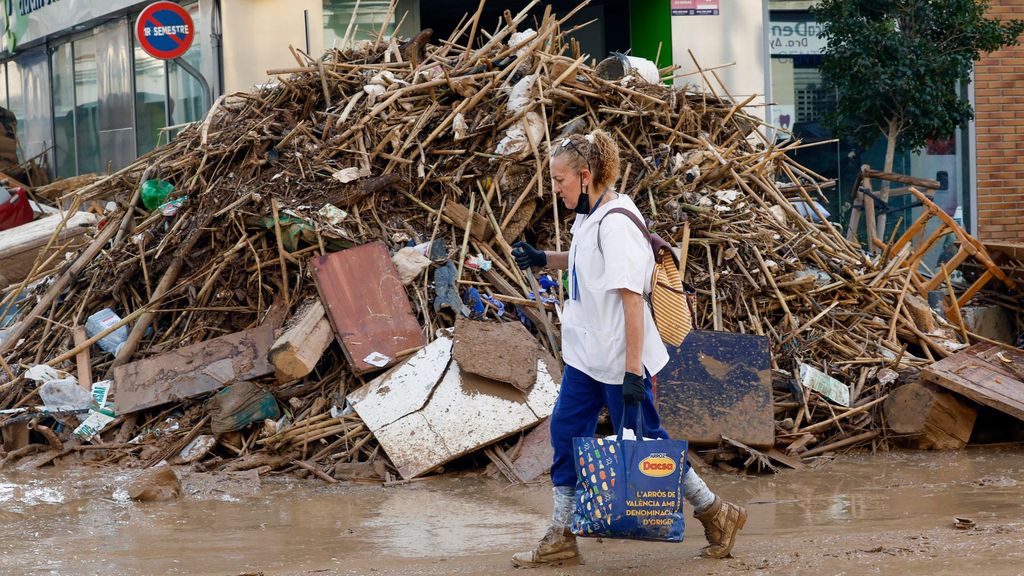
(657, 465)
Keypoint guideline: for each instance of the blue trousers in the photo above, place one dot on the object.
(576, 412)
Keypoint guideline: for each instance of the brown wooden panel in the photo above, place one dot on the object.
(193, 370)
(536, 455)
(366, 304)
(979, 374)
(718, 383)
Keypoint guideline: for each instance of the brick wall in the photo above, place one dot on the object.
(999, 107)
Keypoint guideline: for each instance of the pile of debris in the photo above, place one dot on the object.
(354, 215)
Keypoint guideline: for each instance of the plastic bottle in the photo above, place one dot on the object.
(100, 321)
(5, 196)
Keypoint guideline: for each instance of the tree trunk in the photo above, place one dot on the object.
(890, 156)
(930, 418)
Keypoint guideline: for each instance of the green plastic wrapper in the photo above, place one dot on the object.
(155, 193)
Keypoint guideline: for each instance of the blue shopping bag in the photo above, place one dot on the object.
(629, 489)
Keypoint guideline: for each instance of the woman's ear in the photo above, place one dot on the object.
(586, 177)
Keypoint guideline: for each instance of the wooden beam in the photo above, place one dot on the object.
(297, 351)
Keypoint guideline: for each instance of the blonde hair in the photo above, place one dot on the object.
(595, 151)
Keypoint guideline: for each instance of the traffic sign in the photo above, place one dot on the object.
(164, 30)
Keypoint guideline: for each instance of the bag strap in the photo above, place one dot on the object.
(658, 244)
(633, 218)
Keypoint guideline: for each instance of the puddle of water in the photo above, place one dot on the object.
(78, 522)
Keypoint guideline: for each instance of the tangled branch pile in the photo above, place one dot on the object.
(414, 141)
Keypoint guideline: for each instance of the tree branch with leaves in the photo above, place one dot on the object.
(897, 67)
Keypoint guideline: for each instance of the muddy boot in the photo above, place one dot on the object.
(722, 520)
(557, 546)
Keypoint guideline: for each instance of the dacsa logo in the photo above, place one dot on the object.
(657, 465)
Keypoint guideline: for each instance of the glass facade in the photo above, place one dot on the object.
(87, 128)
(62, 67)
(93, 100)
(186, 95)
(368, 20)
(150, 101)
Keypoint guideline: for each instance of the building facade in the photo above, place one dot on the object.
(999, 136)
(88, 99)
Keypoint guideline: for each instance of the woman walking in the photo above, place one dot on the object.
(610, 344)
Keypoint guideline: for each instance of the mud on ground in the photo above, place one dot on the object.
(882, 514)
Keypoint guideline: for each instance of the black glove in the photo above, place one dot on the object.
(527, 256)
(632, 389)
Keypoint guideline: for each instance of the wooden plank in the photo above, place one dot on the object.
(193, 370)
(536, 455)
(427, 411)
(980, 374)
(82, 362)
(902, 179)
(297, 351)
(19, 247)
(1014, 250)
(367, 305)
(459, 215)
(718, 383)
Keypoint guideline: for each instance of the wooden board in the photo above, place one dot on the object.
(979, 374)
(427, 411)
(367, 305)
(20, 246)
(536, 455)
(193, 370)
(929, 418)
(718, 383)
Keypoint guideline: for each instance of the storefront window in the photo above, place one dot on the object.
(29, 93)
(86, 106)
(64, 111)
(186, 95)
(150, 100)
(368, 19)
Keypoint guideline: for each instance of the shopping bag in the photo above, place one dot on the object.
(629, 489)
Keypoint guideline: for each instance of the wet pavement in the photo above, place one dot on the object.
(882, 514)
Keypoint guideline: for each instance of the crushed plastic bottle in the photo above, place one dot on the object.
(100, 321)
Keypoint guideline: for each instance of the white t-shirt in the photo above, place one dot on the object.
(593, 325)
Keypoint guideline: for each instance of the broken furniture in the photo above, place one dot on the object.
(989, 374)
(864, 202)
(21, 246)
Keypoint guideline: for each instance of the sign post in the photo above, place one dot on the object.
(165, 31)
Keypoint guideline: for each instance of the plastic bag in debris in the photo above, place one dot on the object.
(155, 192)
(65, 394)
(100, 321)
(410, 262)
(239, 405)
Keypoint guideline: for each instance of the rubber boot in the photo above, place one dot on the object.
(722, 520)
(557, 546)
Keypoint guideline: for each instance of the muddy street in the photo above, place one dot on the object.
(862, 514)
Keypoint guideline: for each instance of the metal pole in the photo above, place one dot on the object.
(203, 84)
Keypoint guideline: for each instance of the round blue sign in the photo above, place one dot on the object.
(165, 30)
